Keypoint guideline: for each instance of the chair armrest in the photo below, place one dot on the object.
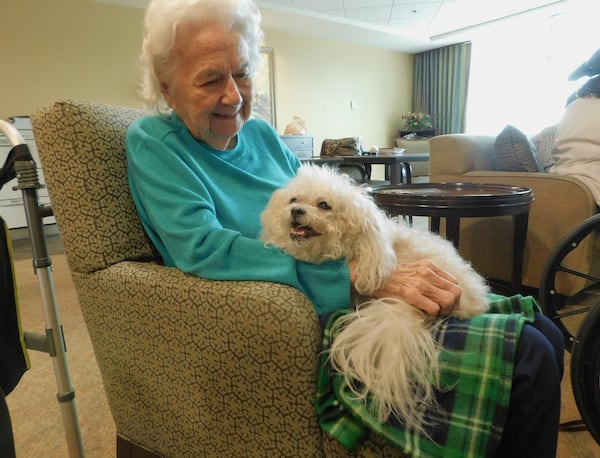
(218, 367)
(563, 199)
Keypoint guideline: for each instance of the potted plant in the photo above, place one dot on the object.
(417, 121)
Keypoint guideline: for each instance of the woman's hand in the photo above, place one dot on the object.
(422, 284)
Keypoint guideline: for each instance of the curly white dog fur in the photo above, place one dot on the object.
(385, 348)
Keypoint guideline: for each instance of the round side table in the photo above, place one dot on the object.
(454, 201)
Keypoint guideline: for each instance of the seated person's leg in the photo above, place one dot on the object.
(531, 427)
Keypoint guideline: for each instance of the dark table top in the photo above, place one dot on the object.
(466, 199)
(319, 160)
(385, 158)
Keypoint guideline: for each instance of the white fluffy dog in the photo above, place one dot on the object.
(385, 348)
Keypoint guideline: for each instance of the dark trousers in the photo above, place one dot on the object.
(7, 446)
(531, 427)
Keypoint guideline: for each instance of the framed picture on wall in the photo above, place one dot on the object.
(263, 105)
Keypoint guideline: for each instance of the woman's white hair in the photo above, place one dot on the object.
(160, 26)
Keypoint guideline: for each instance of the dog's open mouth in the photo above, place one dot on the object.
(302, 232)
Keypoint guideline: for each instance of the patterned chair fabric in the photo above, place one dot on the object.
(191, 367)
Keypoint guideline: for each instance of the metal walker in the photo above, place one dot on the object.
(20, 164)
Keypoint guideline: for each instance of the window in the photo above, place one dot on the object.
(519, 74)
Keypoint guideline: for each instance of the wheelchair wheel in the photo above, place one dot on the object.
(562, 310)
(585, 371)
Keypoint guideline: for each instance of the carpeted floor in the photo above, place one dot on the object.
(35, 412)
(37, 422)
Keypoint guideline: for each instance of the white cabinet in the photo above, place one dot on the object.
(300, 145)
(11, 202)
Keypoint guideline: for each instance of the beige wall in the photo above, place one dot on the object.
(317, 79)
(67, 49)
(85, 50)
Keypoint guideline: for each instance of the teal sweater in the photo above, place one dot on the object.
(201, 206)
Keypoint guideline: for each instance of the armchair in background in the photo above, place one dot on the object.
(560, 204)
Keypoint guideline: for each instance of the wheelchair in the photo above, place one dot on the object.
(578, 318)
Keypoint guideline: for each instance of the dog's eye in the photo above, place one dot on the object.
(324, 206)
(293, 200)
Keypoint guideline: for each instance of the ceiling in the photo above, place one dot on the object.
(401, 25)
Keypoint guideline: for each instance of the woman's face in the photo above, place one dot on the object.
(210, 87)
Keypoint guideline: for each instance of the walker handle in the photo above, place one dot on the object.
(19, 152)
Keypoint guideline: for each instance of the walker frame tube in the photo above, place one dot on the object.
(53, 342)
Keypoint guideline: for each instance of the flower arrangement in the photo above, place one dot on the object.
(417, 120)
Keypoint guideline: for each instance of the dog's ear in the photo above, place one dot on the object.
(369, 241)
(271, 215)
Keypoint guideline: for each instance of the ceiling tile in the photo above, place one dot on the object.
(282, 2)
(318, 5)
(411, 26)
(373, 13)
(339, 12)
(367, 3)
(414, 11)
(418, 2)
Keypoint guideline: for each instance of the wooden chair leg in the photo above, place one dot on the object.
(126, 449)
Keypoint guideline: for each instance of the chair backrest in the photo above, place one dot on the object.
(82, 150)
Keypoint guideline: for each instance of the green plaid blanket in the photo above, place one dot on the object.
(477, 362)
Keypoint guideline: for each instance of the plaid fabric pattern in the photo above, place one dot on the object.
(477, 364)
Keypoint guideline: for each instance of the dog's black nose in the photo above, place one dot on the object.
(297, 211)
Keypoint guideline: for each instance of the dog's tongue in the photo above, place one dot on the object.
(303, 231)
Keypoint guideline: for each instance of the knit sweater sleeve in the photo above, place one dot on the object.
(201, 208)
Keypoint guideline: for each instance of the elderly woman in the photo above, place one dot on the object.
(201, 171)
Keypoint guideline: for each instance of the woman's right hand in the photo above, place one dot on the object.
(422, 284)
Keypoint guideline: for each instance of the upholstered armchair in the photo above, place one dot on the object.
(191, 367)
(561, 203)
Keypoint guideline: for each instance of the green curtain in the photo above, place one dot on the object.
(440, 85)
